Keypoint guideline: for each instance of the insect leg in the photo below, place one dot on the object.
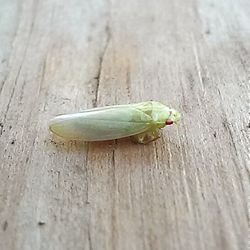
(146, 137)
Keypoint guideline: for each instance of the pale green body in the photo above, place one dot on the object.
(142, 121)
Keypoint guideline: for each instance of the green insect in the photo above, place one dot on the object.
(141, 121)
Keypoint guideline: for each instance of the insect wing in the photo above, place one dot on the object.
(101, 124)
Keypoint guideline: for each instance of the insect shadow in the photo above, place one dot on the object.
(79, 146)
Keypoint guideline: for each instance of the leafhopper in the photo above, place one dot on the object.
(141, 121)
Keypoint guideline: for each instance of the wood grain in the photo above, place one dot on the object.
(189, 189)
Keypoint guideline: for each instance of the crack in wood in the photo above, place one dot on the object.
(100, 66)
(9, 102)
(3, 83)
(87, 174)
(128, 80)
(89, 238)
(115, 194)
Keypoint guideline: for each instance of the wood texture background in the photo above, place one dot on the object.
(189, 189)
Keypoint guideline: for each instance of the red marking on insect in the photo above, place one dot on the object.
(169, 122)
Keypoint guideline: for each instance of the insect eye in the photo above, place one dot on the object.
(169, 122)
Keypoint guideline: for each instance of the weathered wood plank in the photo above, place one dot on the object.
(189, 189)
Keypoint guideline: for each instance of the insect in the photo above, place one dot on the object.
(141, 121)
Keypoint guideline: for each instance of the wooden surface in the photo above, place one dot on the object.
(189, 189)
